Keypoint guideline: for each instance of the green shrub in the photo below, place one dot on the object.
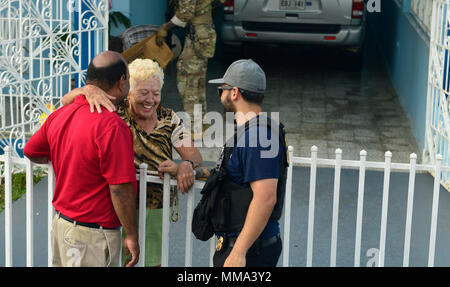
(19, 184)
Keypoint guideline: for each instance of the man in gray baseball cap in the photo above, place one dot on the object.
(246, 82)
(245, 74)
(249, 202)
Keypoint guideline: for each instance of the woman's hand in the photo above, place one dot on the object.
(97, 98)
(183, 172)
(167, 166)
(185, 176)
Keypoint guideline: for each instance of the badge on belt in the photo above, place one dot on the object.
(219, 244)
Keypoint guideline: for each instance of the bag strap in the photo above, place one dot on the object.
(239, 131)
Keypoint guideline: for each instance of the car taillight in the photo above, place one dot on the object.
(357, 9)
(228, 7)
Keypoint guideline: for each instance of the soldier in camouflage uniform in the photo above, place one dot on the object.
(196, 17)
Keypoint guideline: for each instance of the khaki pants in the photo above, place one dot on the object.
(79, 246)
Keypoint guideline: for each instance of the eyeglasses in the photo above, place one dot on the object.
(220, 89)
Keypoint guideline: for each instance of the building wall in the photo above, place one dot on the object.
(404, 45)
(148, 12)
(140, 12)
(124, 7)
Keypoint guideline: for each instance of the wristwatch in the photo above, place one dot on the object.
(192, 163)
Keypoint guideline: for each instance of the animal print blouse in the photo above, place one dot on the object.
(156, 147)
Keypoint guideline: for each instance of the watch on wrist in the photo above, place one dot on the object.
(192, 163)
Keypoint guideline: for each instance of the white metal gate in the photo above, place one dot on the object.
(422, 9)
(438, 118)
(45, 48)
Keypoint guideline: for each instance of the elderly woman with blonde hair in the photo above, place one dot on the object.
(156, 130)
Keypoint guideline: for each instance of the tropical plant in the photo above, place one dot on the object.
(117, 18)
(18, 185)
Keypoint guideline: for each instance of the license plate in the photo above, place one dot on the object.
(292, 4)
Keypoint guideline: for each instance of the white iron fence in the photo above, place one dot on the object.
(423, 10)
(45, 48)
(338, 164)
(438, 118)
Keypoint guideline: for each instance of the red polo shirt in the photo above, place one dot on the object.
(89, 152)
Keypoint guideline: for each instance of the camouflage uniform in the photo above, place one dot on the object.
(196, 17)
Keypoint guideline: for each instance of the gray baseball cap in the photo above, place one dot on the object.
(244, 74)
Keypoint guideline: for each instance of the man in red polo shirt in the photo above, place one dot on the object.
(93, 159)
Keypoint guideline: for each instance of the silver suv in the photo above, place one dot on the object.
(323, 22)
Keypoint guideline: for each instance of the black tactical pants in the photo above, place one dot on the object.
(259, 255)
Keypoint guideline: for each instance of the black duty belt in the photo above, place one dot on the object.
(85, 224)
(260, 242)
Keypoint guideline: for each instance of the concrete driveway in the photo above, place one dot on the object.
(322, 99)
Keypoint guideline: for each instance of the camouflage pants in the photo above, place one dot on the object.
(191, 78)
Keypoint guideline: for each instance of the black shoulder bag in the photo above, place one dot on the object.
(202, 226)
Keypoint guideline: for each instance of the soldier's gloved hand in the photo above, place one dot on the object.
(161, 35)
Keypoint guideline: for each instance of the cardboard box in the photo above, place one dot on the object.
(147, 49)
